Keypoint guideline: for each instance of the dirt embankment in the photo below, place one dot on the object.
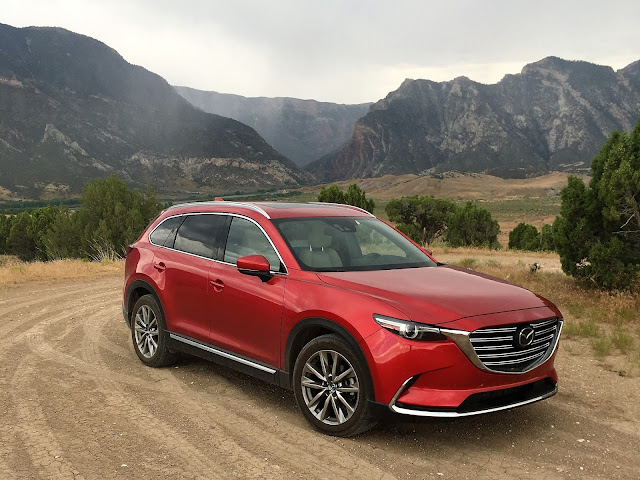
(75, 402)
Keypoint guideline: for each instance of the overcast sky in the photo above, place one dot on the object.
(340, 50)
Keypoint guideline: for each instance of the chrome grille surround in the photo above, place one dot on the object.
(499, 351)
(494, 349)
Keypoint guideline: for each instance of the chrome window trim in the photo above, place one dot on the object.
(441, 414)
(221, 353)
(223, 203)
(286, 270)
(462, 340)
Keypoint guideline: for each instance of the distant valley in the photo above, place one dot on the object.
(303, 130)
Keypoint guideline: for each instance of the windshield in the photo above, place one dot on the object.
(338, 244)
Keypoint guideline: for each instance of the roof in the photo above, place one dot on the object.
(277, 209)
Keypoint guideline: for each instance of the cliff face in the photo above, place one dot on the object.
(302, 130)
(554, 115)
(72, 109)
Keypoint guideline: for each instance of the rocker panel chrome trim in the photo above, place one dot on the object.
(221, 353)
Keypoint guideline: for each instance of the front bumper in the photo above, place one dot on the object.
(439, 379)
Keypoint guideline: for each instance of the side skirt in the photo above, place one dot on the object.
(229, 359)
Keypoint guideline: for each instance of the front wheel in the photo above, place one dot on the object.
(148, 333)
(331, 386)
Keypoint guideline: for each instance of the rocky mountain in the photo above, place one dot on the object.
(72, 109)
(554, 115)
(303, 130)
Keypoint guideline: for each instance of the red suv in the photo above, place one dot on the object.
(339, 306)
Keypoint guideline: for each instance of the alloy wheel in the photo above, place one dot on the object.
(146, 331)
(330, 387)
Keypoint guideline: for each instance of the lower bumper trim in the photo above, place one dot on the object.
(441, 413)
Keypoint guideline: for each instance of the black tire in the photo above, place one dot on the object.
(148, 333)
(333, 408)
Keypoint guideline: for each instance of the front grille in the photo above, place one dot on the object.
(514, 348)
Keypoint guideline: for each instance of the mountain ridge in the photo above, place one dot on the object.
(554, 115)
(72, 109)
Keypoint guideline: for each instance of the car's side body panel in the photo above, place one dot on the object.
(245, 313)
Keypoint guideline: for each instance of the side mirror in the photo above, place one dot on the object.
(255, 265)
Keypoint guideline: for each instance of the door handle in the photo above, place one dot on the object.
(159, 266)
(217, 285)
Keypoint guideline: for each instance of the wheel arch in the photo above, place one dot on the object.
(137, 289)
(308, 329)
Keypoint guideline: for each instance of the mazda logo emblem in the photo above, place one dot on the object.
(525, 336)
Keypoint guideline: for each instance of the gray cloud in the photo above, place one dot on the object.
(345, 51)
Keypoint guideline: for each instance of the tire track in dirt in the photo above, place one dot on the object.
(21, 314)
(283, 442)
(193, 459)
(40, 443)
(71, 386)
(34, 436)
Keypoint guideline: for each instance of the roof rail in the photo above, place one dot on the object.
(352, 207)
(219, 203)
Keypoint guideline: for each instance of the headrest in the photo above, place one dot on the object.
(317, 238)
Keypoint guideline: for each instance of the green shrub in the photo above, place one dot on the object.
(598, 231)
(353, 196)
(472, 226)
(110, 217)
(421, 218)
(524, 237)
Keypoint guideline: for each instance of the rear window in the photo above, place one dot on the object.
(198, 235)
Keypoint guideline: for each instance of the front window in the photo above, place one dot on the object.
(349, 244)
(245, 238)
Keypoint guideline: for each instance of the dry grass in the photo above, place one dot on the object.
(12, 271)
(456, 186)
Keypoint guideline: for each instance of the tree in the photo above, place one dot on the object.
(354, 196)
(111, 216)
(524, 237)
(331, 194)
(19, 241)
(64, 238)
(472, 225)
(421, 218)
(27, 232)
(546, 239)
(6, 222)
(598, 231)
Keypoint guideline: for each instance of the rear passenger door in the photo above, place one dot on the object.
(248, 310)
(186, 265)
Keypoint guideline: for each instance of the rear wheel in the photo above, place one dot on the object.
(331, 387)
(148, 333)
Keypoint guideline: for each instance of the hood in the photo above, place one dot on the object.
(437, 295)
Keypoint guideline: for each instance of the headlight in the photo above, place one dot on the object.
(409, 330)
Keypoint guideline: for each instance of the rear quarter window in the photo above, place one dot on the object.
(162, 232)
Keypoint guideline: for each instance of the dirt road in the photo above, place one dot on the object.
(75, 402)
